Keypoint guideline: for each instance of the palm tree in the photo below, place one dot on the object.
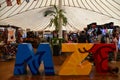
(56, 15)
(58, 19)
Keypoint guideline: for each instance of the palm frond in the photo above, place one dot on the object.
(61, 11)
(51, 22)
(56, 9)
(48, 12)
(56, 23)
(64, 21)
(56, 13)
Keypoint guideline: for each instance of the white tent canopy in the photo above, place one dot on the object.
(80, 13)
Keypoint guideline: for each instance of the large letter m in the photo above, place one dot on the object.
(26, 56)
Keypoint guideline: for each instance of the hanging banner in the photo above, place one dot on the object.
(18, 2)
(27, 1)
(11, 35)
(9, 3)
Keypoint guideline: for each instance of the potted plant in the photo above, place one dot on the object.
(57, 15)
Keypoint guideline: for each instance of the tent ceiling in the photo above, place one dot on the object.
(79, 13)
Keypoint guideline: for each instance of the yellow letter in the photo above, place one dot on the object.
(75, 63)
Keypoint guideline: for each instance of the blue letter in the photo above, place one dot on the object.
(25, 55)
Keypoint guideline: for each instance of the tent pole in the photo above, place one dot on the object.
(60, 22)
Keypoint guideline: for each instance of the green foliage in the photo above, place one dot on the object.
(48, 12)
(56, 13)
(57, 41)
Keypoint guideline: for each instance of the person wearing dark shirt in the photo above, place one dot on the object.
(82, 37)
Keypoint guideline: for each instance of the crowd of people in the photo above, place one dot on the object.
(94, 33)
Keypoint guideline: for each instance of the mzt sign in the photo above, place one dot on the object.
(75, 64)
